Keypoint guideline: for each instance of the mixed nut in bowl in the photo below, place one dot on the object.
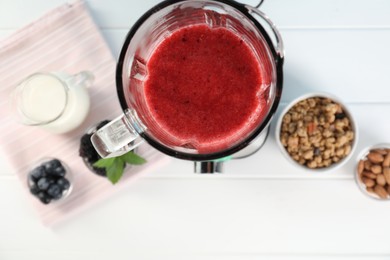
(316, 132)
(373, 171)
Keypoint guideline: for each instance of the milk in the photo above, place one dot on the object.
(56, 102)
(44, 98)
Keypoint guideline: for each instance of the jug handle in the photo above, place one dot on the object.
(84, 78)
(116, 138)
(278, 41)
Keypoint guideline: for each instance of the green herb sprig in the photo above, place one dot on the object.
(115, 166)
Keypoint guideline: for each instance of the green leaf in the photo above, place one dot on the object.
(115, 166)
(132, 158)
(104, 163)
(115, 171)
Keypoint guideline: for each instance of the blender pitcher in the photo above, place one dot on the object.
(136, 124)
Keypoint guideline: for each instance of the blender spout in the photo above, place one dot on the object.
(208, 167)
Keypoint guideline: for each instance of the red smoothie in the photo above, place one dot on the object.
(205, 89)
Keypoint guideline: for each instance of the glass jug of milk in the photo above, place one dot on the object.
(57, 102)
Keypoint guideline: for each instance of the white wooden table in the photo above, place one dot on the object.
(262, 207)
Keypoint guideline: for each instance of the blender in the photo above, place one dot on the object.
(136, 124)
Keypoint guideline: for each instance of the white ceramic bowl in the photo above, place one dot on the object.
(363, 155)
(333, 166)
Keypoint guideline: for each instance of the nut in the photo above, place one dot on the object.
(386, 161)
(368, 182)
(360, 166)
(380, 179)
(308, 155)
(312, 164)
(375, 157)
(380, 151)
(317, 133)
(373, 174)
(369, 175)
(386, 173)
(367, 165)
(380, 191)
(377, 169)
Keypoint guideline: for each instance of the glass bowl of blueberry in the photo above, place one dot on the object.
(49, 180)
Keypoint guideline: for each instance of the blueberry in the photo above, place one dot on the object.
(38, 172)
(59, 171)
(63, 183)
(41, 194)
(43, 183)
(45, 200)
(34, 189)
(86, 149)
(43, 197)
(100, 171)
(58, 196)
(51, 165)
(31, 180)
(51, 179)
(54, 191)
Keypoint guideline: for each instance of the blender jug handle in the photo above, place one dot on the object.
(277, 41)
(116, 138)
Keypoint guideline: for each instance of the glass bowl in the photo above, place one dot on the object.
(50, 180)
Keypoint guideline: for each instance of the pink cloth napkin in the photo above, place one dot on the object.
(65, 39)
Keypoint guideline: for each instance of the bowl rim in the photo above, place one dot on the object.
(346, 110)
(363, 154)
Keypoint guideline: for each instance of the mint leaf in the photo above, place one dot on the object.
(132, 158)
(104, 163)
(115, 165)
(115, 170)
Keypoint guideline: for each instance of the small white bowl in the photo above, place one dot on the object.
(346, 111)
(363, 155)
